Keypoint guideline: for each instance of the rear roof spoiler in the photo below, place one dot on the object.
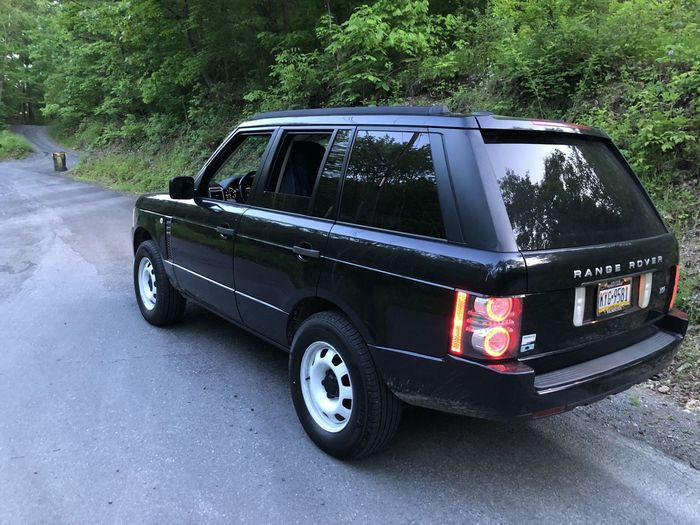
(490, 121)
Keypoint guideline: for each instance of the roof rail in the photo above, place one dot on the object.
(362, 110)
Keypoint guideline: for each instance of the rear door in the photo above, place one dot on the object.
(280, 240)
(600, 262)
(389, 265)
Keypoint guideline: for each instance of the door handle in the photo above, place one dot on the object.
(305, 250)
(212, 206)
(225, 231)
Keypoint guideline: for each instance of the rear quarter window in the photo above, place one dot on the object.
(390, 183)
(562, 191)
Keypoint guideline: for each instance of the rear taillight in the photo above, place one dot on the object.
(486, 327)
(676, 276)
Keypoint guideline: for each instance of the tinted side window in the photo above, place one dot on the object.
(292, 180)
(391, 183)
(326, 193)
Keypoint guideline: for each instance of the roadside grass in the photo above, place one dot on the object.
(63, 136)
(133, 171)
(13, 146)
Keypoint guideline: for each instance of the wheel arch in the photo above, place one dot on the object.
(141, 235)
(312, 305)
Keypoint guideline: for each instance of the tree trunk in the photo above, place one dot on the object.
(193, 48)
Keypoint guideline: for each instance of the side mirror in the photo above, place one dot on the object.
(181, 188)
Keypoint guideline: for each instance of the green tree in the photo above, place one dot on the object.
(20, 90)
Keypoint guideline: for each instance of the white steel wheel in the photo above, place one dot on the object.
(147, 283)
(326, 386)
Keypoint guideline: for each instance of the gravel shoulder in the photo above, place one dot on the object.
(641, 413)
(682, 378)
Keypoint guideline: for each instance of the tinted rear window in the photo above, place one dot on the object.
(563, 192)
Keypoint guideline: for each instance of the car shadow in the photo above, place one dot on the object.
(457, 456)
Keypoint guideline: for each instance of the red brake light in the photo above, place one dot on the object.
(499, 308)
(677, 272)
(496, 341)
(492, 322)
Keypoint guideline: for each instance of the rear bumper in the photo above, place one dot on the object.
(513, 390)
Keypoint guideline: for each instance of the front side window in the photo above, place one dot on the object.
(391, 183)
(234, 178)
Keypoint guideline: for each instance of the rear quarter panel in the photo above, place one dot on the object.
(399, 289)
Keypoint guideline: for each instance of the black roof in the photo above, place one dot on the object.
(424, 116)
(360, 110)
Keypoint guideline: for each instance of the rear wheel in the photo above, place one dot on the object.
(338, 394)
(160, 303)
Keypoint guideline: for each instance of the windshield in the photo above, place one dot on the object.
(564, 192)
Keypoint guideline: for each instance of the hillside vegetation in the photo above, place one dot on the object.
(151, 86)
(183, 72)
(13, 146)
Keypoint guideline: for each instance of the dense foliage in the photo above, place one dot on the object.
(140, 71)
(171, 77)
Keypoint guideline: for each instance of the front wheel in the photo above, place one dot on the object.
(160, 303)
(338, 394)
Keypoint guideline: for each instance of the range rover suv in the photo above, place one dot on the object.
(490, 266)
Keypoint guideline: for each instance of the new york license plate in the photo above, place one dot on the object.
(614, 296)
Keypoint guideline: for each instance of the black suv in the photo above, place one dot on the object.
(490, 266)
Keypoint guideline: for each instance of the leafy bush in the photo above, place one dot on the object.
(653, 116)
(383, 52)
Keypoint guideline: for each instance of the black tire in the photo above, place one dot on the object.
(376, 411)
(169, 304)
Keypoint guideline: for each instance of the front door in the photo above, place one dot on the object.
(281, 239)
(202, 236)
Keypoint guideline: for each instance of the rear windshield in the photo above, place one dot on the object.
(562, 192)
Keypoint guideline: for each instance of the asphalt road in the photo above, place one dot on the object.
(104, 418)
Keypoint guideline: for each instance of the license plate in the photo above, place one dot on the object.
(614, 296)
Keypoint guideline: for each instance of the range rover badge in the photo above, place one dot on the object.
(608, 269)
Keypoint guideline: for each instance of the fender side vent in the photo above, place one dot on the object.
(168, 231)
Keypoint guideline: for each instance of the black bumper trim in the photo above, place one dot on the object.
(513, 390)
(589, 370)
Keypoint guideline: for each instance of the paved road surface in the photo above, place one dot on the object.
(104, 418)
